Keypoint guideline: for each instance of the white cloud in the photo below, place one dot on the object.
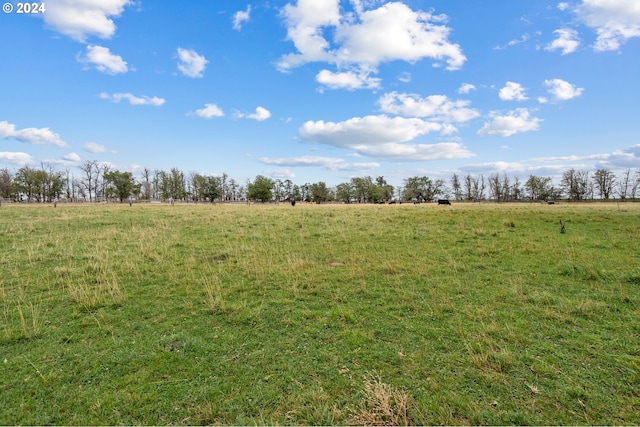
(72, 157)
(384, 137)
(31, 135)
(368, 130)
(466, 88)
(329, 163)
(514, 42)
(191, 63)
(104, 61)
(304, 28)
(416, 152)
(626, 158)
(79, 19)
(240, 17)
(93, 147)
(437, 107)
(209, 111)
(522, 39)
(396, 32)
(134, 100)
(562, 90)
(364, 40)
(260, 115)
(516, 121)
(615, 21)
(17, 158)
(512, 92)
(281, 174)
(347, 80)
(563, 5)
(405, 77)
(567, 41)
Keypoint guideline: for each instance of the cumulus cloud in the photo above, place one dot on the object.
(30, 135)
(191, 63)
(240, 17)
(347, 80)
(437, 107)
(384, 137)
(566, 41)
(16, 158)
(562, 90)
(363, 40)
(103, 60)
(134, 100)
(329, 163)
(614, 21)
(466, 88)
(260, 115)
(516, 121)
(209, 111)
(72, 157)
(93, 147)
(512, 92)
(368, 130)
(396, 32)
(80, 19)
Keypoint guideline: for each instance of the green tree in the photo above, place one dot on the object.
(6, 184)
(538, 187)
(119, 184)
(384, 190)
(422, 188)
(260, 189)
(344, 192)
(319, 192)
(364, 189)
(31, 183)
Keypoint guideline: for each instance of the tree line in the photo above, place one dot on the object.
(97, 182)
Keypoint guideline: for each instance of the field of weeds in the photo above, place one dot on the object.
(320, 314)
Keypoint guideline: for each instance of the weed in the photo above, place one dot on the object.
(383, 405)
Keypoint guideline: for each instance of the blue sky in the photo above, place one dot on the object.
(323, 90)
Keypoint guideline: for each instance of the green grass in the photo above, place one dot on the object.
(202, 314)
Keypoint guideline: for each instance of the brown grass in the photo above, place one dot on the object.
(383, 405)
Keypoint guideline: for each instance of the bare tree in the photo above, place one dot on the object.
(468, 187)
(91, 171)
(635, 184)
(495, 187)
(104, 168)
(456, 187)
(575, 184)
(516, 189)
(623, 184)
(224, 186)
(145, 184)
(604, 180)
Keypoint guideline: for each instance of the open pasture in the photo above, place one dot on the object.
(322, 314)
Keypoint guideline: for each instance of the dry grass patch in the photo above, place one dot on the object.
(383, 405)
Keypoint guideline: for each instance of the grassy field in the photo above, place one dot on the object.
(410, 314)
